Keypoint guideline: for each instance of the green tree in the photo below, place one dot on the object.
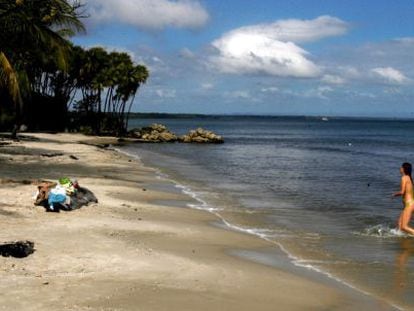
(108, 84)
(33, 33)
(41, 70)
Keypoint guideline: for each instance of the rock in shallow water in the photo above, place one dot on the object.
(154, 133)
(160, 133)
(202, 136)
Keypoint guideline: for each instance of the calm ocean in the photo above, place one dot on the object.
(319, 189)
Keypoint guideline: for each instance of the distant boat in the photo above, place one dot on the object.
(325, 119)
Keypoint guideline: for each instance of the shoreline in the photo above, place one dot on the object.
(290, 262)
(133, 250)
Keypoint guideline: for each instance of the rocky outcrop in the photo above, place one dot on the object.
(202, 136)
(154, 133)
(157, 133)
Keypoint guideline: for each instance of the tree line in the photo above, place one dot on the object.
(47, 83)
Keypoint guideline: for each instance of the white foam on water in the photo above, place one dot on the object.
(202, 205)
(131, 155)
(382, 231)
(161, 176)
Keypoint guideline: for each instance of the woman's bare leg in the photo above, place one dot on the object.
(406, 217)
(400, 219)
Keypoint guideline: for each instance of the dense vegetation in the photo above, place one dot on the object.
(47, 83)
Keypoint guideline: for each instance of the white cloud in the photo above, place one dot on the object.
(272, 48)
(320, 92)
(240, 94)
(299, 31)
(207, 86)
(149, 14)
(390, 74)
(271, 89)
(333, 79)
(405, 40)
(186, 53)
(392, 90)
(166, 93)
(240, 54)
(156, 59)
(350, 72)
(358, 94)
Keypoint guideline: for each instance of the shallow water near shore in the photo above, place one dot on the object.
(319, 190)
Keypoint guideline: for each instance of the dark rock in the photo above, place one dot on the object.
(51, 155)
(19, 249)
(73, 157)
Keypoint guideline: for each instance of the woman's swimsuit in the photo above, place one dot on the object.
(408, 203)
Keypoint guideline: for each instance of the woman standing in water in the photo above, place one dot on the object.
(407, 193)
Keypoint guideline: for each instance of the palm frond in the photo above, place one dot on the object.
(9, 79)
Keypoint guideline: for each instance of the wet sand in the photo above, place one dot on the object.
(139, 248)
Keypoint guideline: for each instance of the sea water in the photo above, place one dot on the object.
(320, 190)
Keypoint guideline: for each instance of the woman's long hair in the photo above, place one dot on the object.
(407, 168)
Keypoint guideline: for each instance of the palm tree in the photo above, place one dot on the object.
(108, 82)
(29, 28)
(9, 79)
(139, 75)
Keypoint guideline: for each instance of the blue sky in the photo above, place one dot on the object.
(300, 57)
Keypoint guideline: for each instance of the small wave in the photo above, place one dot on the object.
(160, 175)
(265, 234)
(201, 205)
(382, 231)
(129, 154)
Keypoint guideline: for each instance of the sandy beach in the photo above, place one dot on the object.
(139, 248)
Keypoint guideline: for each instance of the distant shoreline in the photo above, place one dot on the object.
(166, 115)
